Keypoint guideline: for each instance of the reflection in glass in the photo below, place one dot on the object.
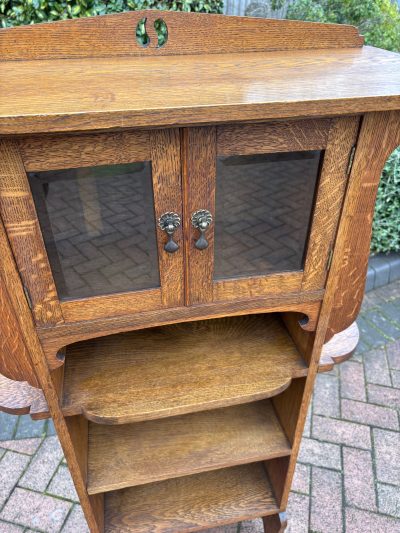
(263, 211)
(99, 229)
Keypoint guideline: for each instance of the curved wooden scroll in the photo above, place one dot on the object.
(19, 398)
(379, 136)
(340, 348)
(188, 33)
(15, 361)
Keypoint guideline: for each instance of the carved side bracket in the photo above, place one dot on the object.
(18, 398)
(340, 348)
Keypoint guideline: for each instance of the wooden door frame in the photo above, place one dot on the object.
(51, 152)
(200, 148)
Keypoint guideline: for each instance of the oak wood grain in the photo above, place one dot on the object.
(98, 307)
(199, 172)
(92, 506)
(257, 286)
(346, 229)
(53, 152)
(20, 220)
(19, 397)
(276, 523)
(339, 348)
(167, 190)
(15, 361)
(188, 33)
(219, 88)
(183, 368)
(379, 136)
(271, 137)
(53, 339)
(135, 454)
(288, 405)
(192, 503)
(329, 201)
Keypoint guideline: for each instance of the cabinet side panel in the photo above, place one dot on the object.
(14, 357)
(22, 226)
(379, 136)
(23, 317)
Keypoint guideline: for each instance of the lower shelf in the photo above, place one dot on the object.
(134, 454)
(192, 503)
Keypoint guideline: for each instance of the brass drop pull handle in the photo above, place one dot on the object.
(201, 220)
(169, 222)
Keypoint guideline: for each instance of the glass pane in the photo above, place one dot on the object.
(99, 229)
(263, 210)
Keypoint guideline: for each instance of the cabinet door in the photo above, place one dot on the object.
(93, 247)
(274, 193)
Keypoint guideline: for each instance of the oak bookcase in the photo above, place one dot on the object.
(184, 237)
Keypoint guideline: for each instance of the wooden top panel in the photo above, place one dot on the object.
(188, 33)
(183, 368)
(103, 93)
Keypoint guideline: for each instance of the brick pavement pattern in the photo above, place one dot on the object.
(348, 474)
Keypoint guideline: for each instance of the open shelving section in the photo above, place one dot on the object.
(186, 426)
(178, 369)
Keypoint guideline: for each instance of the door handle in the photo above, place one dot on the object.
(169, 222)
(201, 220)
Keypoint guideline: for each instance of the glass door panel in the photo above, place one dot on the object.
(99, 228)
(263, 211)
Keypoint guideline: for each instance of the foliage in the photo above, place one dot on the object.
(377, 20)
(386, 225)
(17, 12)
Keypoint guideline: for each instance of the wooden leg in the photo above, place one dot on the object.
(276, 523)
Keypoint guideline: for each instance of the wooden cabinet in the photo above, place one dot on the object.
(184, 239)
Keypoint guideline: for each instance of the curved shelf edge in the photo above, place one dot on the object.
(99, 417)
(340, 348)
(18, 398)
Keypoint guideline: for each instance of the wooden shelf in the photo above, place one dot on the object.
(134, 454)
(193, 502)
(178, 369)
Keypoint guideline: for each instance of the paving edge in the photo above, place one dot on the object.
(382, 269)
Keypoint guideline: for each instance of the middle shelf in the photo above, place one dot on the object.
(143, 452)
(177, 369)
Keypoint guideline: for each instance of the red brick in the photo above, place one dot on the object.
(341, 432)
(359, 479)
(352, 381)
(363, 522)
(371, 415)
(326, 501)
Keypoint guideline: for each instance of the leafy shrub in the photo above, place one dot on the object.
(386, 225)
(17, 12)
(379, 22)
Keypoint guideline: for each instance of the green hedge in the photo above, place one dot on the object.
(17, 12)
(386, 225)
(379, 22)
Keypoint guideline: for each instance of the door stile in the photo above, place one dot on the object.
(328, 202)
(198, 175)
(167, 190)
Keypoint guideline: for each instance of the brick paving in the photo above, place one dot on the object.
(347, 478)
